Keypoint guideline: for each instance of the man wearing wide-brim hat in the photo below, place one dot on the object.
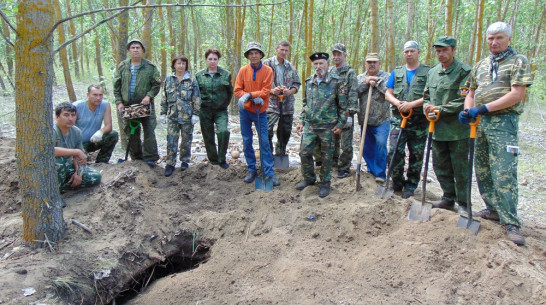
(252, 87)
(445, 91)
(322, 116)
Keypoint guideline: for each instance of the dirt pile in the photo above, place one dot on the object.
(258, 248)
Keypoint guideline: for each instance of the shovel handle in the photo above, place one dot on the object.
(134, 127)
(281, 96)
(405, 117)
(473, 127)
(433, 120)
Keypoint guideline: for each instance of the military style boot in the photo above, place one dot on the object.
(303, 184)
(169, 169)
(324, 189)
(513, 234)
(444, 204)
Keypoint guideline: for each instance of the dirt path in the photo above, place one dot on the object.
(263, 248)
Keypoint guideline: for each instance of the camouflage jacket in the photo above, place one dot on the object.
(348, 75)
(324, 104)
(380, 110)
(411, 92)
(443, 90)
(181, 99)
(514, 70)
(216, 91)
(291, 79)
(148, 82)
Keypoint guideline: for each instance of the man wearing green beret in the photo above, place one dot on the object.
(445, 91)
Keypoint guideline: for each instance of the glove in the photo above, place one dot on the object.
(194, 119)
(475, 111)
(258, 101)
(349, 122)
(242, 100)
(163, 119)
(464, 117)
(97, 136)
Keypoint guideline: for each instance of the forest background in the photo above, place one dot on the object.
(47, 42)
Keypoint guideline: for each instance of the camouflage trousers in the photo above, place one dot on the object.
(308, 143)
(496, 168)
(174, 131)
(65, 170)
(207, 119)
(284, 129)
(415, 137)
(147, 149)
(343, 143)
(450, 162)
(105, 146)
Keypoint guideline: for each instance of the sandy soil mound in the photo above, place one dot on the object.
(247, 247)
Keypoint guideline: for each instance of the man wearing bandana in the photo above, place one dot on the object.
(497, 87)
(252, 87)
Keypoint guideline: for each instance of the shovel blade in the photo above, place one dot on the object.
(470, 224)
(384, 192)
(281, 161)
(263, 185)
(419, 211)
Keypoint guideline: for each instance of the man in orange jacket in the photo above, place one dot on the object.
(252, 87)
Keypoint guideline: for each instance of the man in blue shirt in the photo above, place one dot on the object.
(405, 91)
(92, 112)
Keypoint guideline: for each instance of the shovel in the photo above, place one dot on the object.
(260, 183)
(281, 161)
(422, 211)
(383, 190)
(468, 222)
(362, 137)
(133, 130)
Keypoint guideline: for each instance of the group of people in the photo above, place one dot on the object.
(454, 91)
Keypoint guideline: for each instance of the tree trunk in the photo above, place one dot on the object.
(98, 57)
(479, 31)
(64, 57)
(41, 201)
(183, 33)
(309, 37)
(163, 39)
(291, 30)
(409, 16)
(172, 39)
(375, 32)
(74, 46)
(9, 61)
(123, 37)
(7, 76)
(148, 15)
(322, 17)
(449, 18)
(270, 30)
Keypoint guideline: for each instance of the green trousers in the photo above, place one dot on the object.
(450, 162)
(208, 118)
(65, 170)
(284, 129)
(497, 167)
(308, 143)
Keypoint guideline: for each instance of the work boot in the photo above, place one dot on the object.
(276, 181)
(444, 204)
(151, 163)
(250, 177)
(463, 209)
(169, 169)
(407, 193)
(487, 214)
(379, 180)
(224, 165)
(342, 174)
(324, 189)
(513, 234)
(396, 187)
(303, 184)
(184, 166)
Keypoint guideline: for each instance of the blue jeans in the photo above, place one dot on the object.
(375, 149)
(247, 118)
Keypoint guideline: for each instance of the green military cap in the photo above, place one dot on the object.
(372, 57)
(136, 41)
(446, 41)
(319, 55)
(339, 47)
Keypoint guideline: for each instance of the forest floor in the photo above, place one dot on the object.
(203, 236)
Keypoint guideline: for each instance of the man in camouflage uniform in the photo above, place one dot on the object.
(70, 158)
(180, 108)
(445, 83)
(137, 81)
(343, 150)
(497, 88)
(323, 116)
(405, 91)
(377, 131)
(284, 76)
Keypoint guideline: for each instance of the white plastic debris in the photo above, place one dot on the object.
(101, 274)
(29, 291)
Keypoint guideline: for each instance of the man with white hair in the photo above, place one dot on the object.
(497, 87)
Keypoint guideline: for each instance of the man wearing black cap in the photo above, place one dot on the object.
(445, 91)
(137, 81)
(322, 117)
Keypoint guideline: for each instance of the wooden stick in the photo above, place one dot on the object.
(81, 225)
